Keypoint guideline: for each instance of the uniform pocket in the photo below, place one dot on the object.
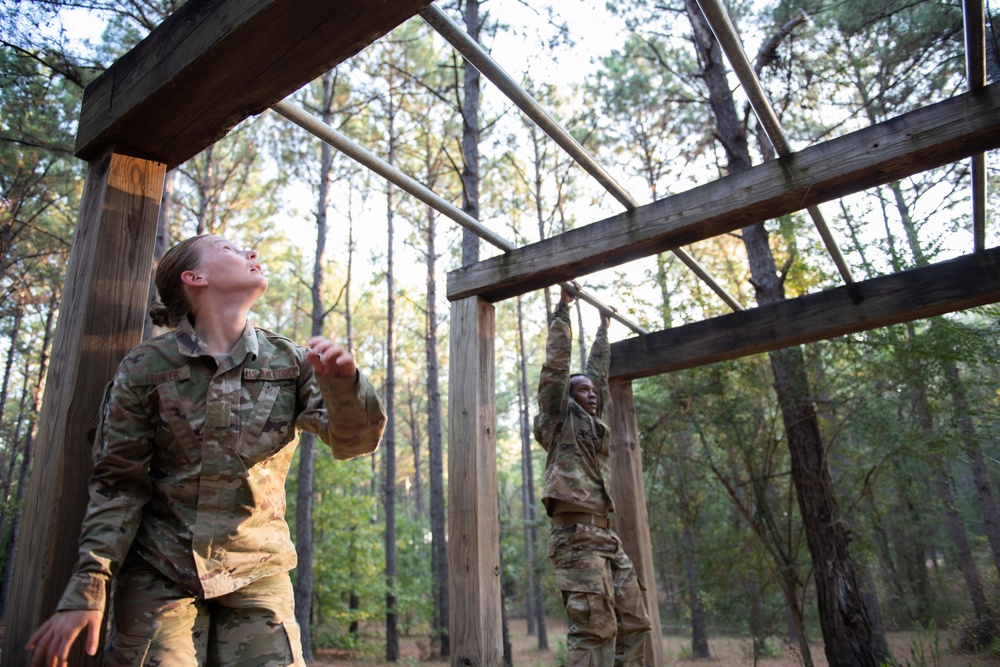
(582, 581)
(177, 418)
(270, 424)
(125, 651)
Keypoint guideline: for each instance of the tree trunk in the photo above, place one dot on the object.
(303, 590)
(985, 628)
(699, 625)
(435, 449)
(389, 439)
(9, 364)
(902, 614)
(307, 441)
(527, 476)
(533, 586)
(470, 139)
(688, 516)
(203, 225)
(27, 452)
(415, 440)
(849, 636)
(980, 472)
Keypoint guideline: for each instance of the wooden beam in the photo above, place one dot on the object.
(100, 319)
(213, 63)
(935, 135)
(473, 511)
(957, 284)
(629, 495)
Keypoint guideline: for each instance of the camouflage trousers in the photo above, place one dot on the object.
(158, 623)
(606, 605)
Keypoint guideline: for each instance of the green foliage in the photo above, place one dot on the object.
(925, 648)
(413, 539)
(347, 544)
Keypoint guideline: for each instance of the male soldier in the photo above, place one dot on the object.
(598, 583)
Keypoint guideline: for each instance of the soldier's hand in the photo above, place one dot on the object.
(330, 359)
(53, 639)
(605, 319)
(566, 296)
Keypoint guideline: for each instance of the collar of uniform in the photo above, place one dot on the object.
(247, 344)
(190, 345)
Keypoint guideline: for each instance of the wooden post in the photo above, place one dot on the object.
(473, 523)
(100, 319)
(631, 519)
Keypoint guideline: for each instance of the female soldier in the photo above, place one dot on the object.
(187, 496)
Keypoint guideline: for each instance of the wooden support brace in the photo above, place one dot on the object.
(945, 287)
(473, 510)
(629, 494)
(100, 319)
(213, 63)
(929, 137)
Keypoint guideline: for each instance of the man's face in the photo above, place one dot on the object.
(583, 391)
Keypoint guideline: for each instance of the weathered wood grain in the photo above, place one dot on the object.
(929, 137)
(629, 495)
(473, 511)
(100, 319)
(957, 284)
(213, 63)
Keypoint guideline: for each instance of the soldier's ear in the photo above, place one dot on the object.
(193, 278)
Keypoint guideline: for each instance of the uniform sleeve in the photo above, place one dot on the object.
(553, 382)
(119, 487)
(598, 364)
(346, 413)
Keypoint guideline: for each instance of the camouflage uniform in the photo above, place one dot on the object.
(188, 491)
(606, 606)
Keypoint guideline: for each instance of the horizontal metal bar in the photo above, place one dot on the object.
(481, 60)
(726, 35)
(342, 143)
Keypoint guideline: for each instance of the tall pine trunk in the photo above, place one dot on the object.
(850, 637)
(980, 472)
(304, 580)
(470, 138)
(435, 439)
(985, 630)
(27, 450)
(389, 439)
(534, 598)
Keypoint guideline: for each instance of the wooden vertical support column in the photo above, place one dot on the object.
(631, 519)
(473, 523)
(100, 319)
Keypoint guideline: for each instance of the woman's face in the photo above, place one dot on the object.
(226, 268)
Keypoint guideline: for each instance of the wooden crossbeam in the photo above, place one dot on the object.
(923, 139)
(213, 63)
(957, 284)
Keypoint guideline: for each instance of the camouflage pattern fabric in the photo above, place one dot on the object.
(578, 465)
(191, 458)
(603, 598)
(157, 623)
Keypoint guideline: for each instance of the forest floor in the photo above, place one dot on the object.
(911, 649)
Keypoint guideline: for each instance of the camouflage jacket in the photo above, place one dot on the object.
(578, 467)
(191, 458)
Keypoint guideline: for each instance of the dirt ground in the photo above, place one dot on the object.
(909, 648)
